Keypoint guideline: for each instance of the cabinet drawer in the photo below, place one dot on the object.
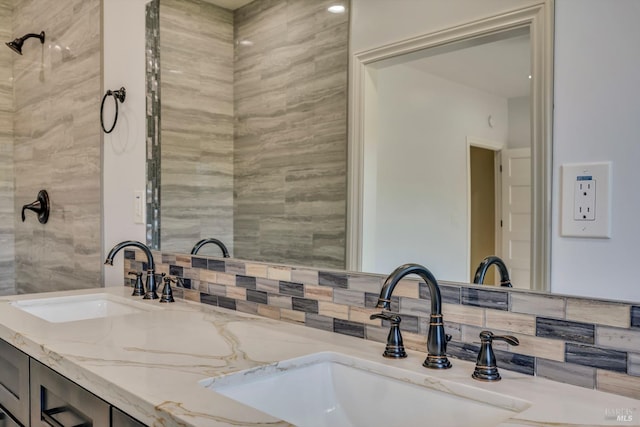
(7, 421)
(120, 419)
(59, 402)
(14, 382)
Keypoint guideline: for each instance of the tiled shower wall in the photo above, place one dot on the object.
(57, 141)
(7, 252)
(585, 342)
(290, 154)
(196, 63)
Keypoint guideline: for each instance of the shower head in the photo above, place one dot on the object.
(16, 45)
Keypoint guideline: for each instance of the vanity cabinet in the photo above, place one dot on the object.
(58, 402)
(14, 386)
(34, 395)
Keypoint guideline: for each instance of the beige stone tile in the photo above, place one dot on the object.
(415, 341)
(282, 301)
(225, 279)
(330, 309)
(320, 293)
(257, 270)
(618, 338)
(208, 276)
(279, 273)
(540, 305)
(513, 322)
(269, 311)
(365, 283)
(617, 383)
(539, 347)
(600, 312)
(407, 288)
(236, 293)
(292, 315)
(191, 295)
(362, 315)
(183, 261)
(463, 314)
(307, 277)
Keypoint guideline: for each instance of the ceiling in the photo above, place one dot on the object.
(502, 67)
(229, 4)
(499, 64)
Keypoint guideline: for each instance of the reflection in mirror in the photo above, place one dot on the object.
(420, 122)
(253, 131)
(443, 124)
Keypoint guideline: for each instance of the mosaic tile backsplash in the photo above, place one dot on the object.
(585, 342)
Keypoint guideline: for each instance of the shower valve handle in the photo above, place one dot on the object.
(41, 206)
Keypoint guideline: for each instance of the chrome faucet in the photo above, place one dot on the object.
(151, 268)
(436, 337)
(201, 243)
(502, 268)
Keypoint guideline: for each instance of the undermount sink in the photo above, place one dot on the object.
(333, 389)
(80, 307)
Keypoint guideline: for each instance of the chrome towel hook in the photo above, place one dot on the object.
(118, 95)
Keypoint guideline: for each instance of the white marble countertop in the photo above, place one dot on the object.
(149, 364)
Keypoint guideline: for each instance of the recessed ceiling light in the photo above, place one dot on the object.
(529, 75)
(336, 8)
(245, 43)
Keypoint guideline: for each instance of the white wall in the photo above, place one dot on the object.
(421, 206)
(597, 118)
(124, 149)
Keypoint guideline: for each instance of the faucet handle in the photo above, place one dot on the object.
(138, 288)
(167, 292)
(395, 346)
(486, 367)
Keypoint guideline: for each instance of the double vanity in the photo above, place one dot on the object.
(192, 364)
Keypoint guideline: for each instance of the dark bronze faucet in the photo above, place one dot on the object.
(151, 268)
(436, 337)
(201, 243)
(502, 268)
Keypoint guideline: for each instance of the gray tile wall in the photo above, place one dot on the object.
(57, 139)
(585, 342)
(196, 63)
(290, 135)
(7, 217)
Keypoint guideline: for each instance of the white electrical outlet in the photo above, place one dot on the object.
(586, 200)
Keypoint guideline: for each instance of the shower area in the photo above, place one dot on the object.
(50, 140)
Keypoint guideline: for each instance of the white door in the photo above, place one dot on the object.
(516, 215)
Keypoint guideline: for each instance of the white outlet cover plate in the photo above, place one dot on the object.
(600, 226)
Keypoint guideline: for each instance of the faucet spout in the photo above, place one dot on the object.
(502, 269)
(151, 268)
(201, 243)
(436, 337)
